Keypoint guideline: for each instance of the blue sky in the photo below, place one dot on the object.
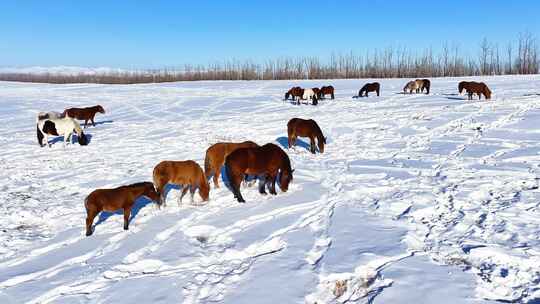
(155, 34)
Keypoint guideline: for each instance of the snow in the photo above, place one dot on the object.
(417, 198)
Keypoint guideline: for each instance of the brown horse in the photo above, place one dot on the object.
(187, 174)
(423, 84)
(114, 199)
(370, 87)
(305, 128)
(473, 87)
(85, 114)
(326, 90)
(216, 154)
(265, 161)
(294, 92)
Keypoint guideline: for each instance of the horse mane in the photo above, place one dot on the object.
(136, 185)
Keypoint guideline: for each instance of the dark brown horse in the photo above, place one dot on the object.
(266, 162)
(473, 87)
(294, 92)
(305, 128)
(114, 199)
(317, 91)
(187, 174)
(216, 154)
(370, 87)
(85, 114)
(326, 90)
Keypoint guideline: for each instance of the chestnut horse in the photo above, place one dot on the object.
(187, 174)
(473, 87)
(114, 199)
(326, 90)
(85, 114)
(216, 154)
(265, 161)
(294, 92)
(305, 128)
(423, 84)
(370, 87)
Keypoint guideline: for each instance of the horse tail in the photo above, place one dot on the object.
(207, 167)
(39, 135)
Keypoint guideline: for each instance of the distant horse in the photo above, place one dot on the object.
(216, 154)
(423, 84)
(369, 87)
(411, 86)
(305, 128)
(309, 94)
(114, 199)
(473, 87)
(187, 174)
(326, 90)
(59, 127)
(294, 92)
(85, 114)
(268, 162)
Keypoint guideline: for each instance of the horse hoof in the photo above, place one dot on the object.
(88, 233)
(241, 200)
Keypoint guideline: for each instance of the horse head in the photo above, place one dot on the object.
(150, 192)
(82, 139)
(285, 178)
(100, 109)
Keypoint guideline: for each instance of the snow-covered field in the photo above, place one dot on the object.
(417, 199)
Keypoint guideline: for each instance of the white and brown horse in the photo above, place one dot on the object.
(58, 127)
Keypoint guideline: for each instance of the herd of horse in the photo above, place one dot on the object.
(241, 161)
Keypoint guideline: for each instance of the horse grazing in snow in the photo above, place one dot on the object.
(85, 114)
(411, 86)
(268, 162)
(294, 92)
(326, 90)
(114, 199)
(370, 87)
(305, 128)
(216, 154)
(187, 174)
(59, 127)
(473, 87)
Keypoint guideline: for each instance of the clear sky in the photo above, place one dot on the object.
(155, 34)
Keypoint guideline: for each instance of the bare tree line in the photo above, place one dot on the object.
(520, 57)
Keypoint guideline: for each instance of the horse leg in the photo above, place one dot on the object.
(85, 122)
(90, 215)
(312, 144)
(262, 185)
(377, 93)
(192, 192)
(272, 184)
(332, 95)
(184, 191)
(217, 173)
(127, 213)
(92, 120)
(235, 185)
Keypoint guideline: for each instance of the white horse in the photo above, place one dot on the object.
(59, 127)
(51, 114)
(309, 94)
